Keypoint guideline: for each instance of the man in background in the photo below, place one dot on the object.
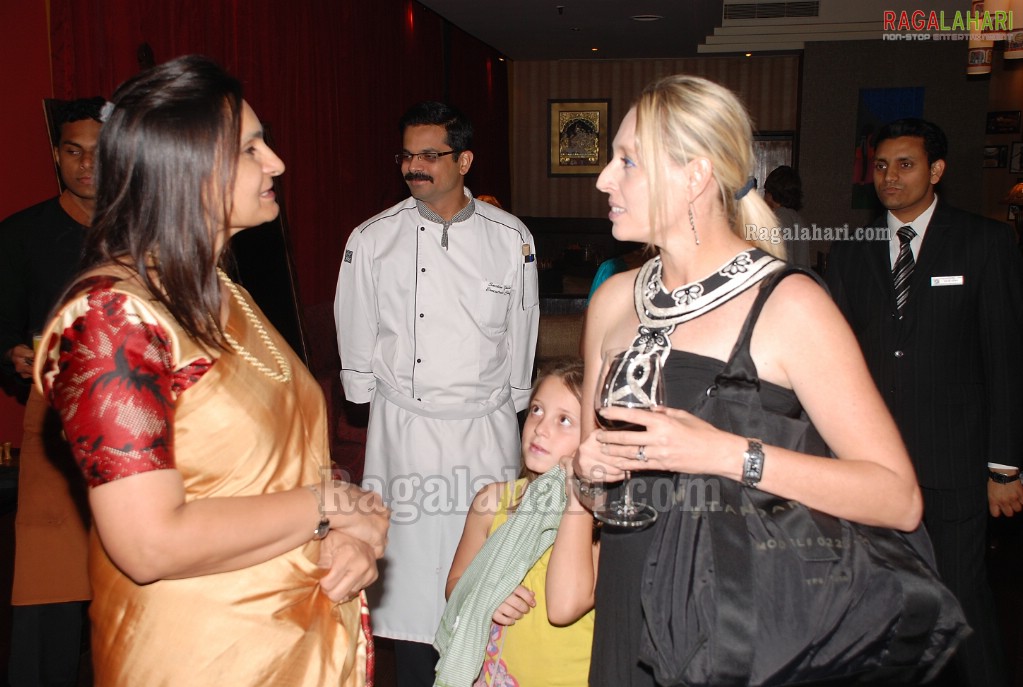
(40, 250)
(938, 311)
(437, 315)
(783, 192)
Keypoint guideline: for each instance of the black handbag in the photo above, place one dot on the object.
(745, 588)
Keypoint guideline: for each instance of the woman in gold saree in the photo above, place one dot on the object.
(222, 552)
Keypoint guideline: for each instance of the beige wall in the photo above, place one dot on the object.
(768, 85)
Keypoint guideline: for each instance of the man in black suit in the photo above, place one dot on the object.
(938, 311)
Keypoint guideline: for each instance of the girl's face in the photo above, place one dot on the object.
(552, 427)
(252, 200)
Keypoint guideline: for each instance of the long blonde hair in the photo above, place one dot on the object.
(681, 118)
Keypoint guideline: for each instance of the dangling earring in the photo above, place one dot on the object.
(692, 224)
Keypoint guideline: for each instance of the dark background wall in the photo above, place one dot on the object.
(834, 73)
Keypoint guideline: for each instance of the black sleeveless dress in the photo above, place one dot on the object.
(623, 552)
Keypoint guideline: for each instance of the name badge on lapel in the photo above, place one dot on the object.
(956, 280)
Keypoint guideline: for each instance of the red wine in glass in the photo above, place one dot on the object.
(627, 380)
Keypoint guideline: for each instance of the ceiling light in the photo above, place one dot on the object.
(646, 17)
(594, 49)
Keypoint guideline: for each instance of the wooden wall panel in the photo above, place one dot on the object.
(768, 85)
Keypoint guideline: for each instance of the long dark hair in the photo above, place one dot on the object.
(167, 157)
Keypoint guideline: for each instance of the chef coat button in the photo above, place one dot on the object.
(423, 269)
(419, 399)
(422, 228)
(422, 315)
(899, 354)
(419, 360)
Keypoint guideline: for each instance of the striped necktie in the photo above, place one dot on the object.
(903, 270)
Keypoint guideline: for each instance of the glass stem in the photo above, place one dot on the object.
(627, 496)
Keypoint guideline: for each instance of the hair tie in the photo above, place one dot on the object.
(750, 184)
(106, 111)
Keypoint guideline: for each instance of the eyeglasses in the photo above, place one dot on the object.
(429, 157)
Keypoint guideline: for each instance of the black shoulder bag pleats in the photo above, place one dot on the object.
(745, 588)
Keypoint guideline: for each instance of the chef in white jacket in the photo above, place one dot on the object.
(436, 311)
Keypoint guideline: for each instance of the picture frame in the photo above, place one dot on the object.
(1016, 158)
(578, 137)
(1003, 122)
(770, 150)
(995, 156)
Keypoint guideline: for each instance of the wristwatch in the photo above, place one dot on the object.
(323, 527)
(753, 463)
(1000, 478)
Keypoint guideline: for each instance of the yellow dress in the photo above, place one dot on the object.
(236, 432)
(532, 652)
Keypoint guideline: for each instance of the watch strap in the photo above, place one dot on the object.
(323, 526)
(1000, 478)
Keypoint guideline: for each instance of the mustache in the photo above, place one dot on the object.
(418, 176)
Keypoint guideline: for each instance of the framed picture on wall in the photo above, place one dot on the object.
(1016, 158)
(578, 138)
(1003, 122)
(995, 156)
(772, 149)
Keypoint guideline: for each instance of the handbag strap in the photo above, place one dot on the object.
(740, 367)
(739, 380)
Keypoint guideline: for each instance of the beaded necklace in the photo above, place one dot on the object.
(283, 372)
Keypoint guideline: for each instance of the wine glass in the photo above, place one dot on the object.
(627, 381)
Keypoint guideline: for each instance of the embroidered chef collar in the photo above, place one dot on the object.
(462, 215)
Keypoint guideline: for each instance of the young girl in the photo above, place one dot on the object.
(526, 647)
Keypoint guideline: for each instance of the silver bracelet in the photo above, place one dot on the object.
(753, 463)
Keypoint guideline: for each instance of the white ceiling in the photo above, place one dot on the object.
(537, 30)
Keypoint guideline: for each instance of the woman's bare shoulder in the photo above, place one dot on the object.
(799, 295)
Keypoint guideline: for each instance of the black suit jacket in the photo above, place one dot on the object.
(951, 370)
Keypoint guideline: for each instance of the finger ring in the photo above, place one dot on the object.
(641, 454)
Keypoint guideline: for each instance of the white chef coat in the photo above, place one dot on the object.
(440, 340)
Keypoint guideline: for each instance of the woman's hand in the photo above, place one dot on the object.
(357, 513)
(350, 563)
(521, 602)
(673, 440)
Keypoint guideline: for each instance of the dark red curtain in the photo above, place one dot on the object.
(329, 78)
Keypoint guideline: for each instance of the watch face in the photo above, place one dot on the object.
(322, 529)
